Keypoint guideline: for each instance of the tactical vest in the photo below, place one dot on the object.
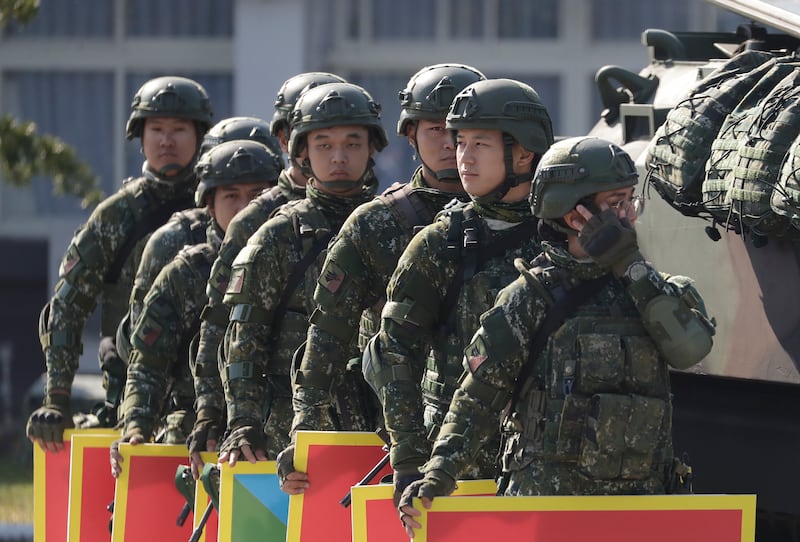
(149, 212)
(467, 245)
(598, 397)
(312, 232)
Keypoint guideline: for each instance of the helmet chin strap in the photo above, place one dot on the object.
(342, 184)
(449, 175)
(510, 180)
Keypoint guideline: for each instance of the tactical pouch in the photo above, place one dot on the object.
(178, 426)
(620, 436)
(602, 364)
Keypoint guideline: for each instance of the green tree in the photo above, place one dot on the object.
(24, 153)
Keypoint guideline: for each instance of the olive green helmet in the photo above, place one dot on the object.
(251, 128)
(511, 107)
(291, 90)
(430, 91)
(236, 162)
(335, 104)
(170, 96)
(575, 168)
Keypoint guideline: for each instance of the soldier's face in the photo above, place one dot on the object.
(168, 143)
(434, 145)
(481, 166)
(340, 153)
(229, 200)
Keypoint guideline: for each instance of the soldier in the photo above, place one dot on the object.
(170, 115)
(363, 256)
(210, 405)
(230, 175)
(579, 344)
(335, 130)
(452, 270)
(184, 228)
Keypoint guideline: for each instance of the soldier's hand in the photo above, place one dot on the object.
(402, 478)
(203, 438)
(436, 483)
(246, 441)
(608, 238)
(133, 437)
(46, 424)
(292, 482)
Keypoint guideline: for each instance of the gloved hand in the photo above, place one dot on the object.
(436, 483)
(402, 478)
(610, 241)
(133, 436)
(246, 440)
(46, 424)
(203, 438)
(292, 481)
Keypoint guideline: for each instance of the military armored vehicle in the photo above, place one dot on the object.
(735, 414)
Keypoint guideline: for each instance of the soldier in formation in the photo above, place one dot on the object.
(170, 115)
(335, 129)
(452, 270)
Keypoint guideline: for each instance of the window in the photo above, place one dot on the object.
(179, 18)
(519, 19)
(616, 20)
(68, 18)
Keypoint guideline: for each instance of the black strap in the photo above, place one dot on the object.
(295, 277)
(151, 218)
(482, 254)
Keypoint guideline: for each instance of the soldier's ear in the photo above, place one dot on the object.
(574, 220)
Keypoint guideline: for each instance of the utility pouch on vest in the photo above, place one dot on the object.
(620, 437)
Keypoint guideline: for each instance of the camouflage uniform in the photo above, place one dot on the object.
(431, 351)
(87, 270)
(561, 438)
(214, 319)
(255, 344)
(158, 366)
(359, 264)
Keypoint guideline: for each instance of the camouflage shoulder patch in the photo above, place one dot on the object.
(237, 281)
(332, 276)
(148, 332)
(475, 354)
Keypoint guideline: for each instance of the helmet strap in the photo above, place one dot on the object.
(510, 180)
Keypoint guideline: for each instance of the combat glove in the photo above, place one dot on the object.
(436, 483)
(402, 478)
(47, 423)
(610, 241)
(245, 435)
(207, 428)
(285, 463)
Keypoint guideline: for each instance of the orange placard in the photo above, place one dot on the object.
(334, 461)
(655, 518)
(375, 518)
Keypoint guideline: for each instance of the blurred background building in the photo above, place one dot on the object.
(75, 68)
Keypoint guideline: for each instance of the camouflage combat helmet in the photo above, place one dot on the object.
(335, 104)
(170, 97)
(575, 168)
(236, 162)
(251, 128)
(291, 90)
(511, 107)
(428, 95)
